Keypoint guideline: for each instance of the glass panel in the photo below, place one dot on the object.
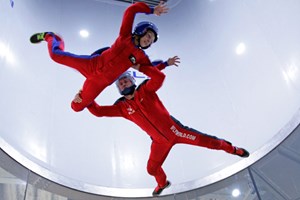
(34, 193)
(239, 187)
(11, 188)
(277, 174)
(265, 190)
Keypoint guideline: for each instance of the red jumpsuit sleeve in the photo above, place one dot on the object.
(129, 14)
(161, 66)
(105, 111)
(156, 77)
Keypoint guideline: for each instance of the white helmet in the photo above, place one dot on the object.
(127, 90)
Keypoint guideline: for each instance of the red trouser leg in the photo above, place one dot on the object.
(95, 82)
(213, 142)
(191, 136)
(157, 156)
(92, 87)
(82, 63)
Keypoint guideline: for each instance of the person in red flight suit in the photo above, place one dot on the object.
(102, 70)
(142, 106)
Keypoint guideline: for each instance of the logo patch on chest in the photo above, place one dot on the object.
(132, 59)
(130, 110)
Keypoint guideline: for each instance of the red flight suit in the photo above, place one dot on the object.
(147, 111)
(102, 70)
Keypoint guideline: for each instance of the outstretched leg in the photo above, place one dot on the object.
(191, 136)
(82, 63)
(85, 64)
(92, 87)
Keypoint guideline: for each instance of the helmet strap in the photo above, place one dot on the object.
(128, 90)
(138, 39)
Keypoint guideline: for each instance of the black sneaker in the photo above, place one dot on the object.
(241, 152)
(158, 189)
(38, 37)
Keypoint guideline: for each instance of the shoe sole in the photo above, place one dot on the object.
(162, 189)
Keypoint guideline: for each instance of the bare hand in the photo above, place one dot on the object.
(161, 8)
(77, 98)
(174, 61)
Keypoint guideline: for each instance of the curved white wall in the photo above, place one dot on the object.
(244, 98)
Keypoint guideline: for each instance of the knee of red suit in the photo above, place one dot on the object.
(77, 107)
(152, 169)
